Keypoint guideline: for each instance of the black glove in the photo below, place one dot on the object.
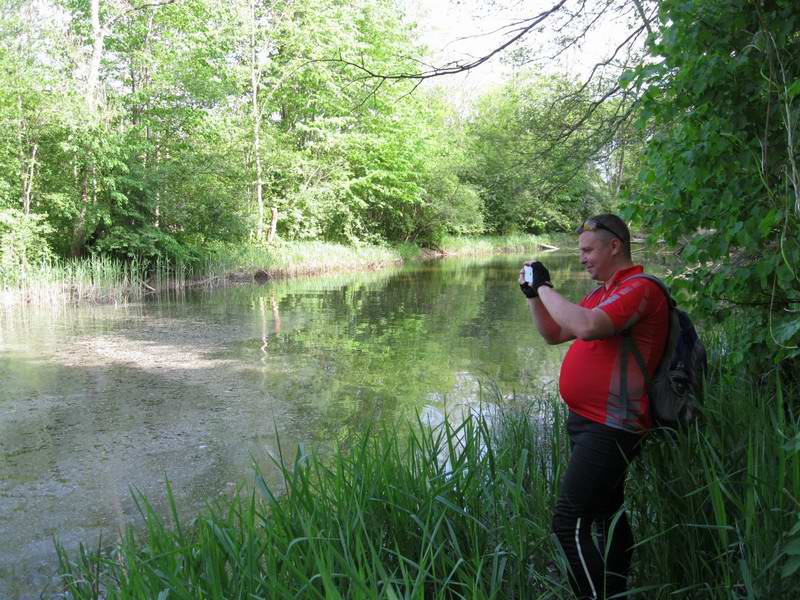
(528, 290)
(541, 276)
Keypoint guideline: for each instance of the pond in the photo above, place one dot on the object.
(97, 401)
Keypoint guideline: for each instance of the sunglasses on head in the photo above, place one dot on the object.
(592, 225)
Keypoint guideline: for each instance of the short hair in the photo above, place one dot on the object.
(612, 225)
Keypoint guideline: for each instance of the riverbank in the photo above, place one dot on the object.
(462, 509)
(101, 279)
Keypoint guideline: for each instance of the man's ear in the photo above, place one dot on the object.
(616, 246)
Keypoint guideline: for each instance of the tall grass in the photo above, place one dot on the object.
(453, 245)
(295, 258)
(104, 279)
(100, 278)
(95, 279)
(446, 512)
(462, 510)
(715, 508)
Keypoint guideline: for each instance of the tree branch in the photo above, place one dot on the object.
(134, 9)
(458, 66)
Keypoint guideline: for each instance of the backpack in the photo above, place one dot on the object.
(676, 389)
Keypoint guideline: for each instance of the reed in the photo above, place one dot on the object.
(462, 510)
(464, 246)
(290, 259)
(716, 507)
(96, 279)
(103, 279)
(444, 512)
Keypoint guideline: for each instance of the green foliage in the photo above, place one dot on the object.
(147, 243)
(519, 242)
(463, 508)
(717, 509)
(196, 101)
(293, 258)
(528, 180)
(23, 243)
(720, 177)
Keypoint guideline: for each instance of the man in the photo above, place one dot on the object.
(607, 421)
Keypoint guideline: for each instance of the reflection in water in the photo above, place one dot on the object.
(97, 401)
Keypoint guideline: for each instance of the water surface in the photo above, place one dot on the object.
(97, 401)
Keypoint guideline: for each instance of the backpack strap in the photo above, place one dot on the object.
(629, 346)
(670, 300)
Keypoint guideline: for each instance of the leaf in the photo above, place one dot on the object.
(793, 547)
(794, 89)
(790, 567)
(786, 331)
(626, 78)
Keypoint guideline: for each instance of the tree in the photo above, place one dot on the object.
(528, 182)
(720, 175)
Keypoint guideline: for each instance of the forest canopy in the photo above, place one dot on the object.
(154, 130)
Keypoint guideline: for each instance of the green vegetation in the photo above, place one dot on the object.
(462, 510)
(495, 244)
(527, 179)
(719, 178)
(103, 278)
(158, 133)
(293, 258)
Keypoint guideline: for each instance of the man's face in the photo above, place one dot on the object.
(597, 255)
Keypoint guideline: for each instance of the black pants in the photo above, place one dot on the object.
(592, 492)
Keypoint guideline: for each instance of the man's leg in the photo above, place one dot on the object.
(614, 535)
(593, 488)
(615, 540)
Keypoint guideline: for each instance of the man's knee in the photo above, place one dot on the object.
(563, 526)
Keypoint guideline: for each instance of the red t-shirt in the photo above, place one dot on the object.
(590, 374)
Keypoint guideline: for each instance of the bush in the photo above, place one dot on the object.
(23, 243)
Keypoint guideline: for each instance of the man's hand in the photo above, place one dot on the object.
(541, 276)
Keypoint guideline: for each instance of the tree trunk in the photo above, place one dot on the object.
(273, 226)
(27, 183)
(79, 231)
(158, 191)
(254, 77)
(620, 168)
(23, 172)
(90, 99)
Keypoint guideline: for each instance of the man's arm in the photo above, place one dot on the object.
(552, 332)
(573, 320)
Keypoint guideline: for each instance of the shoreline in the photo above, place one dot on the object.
(103, 280)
